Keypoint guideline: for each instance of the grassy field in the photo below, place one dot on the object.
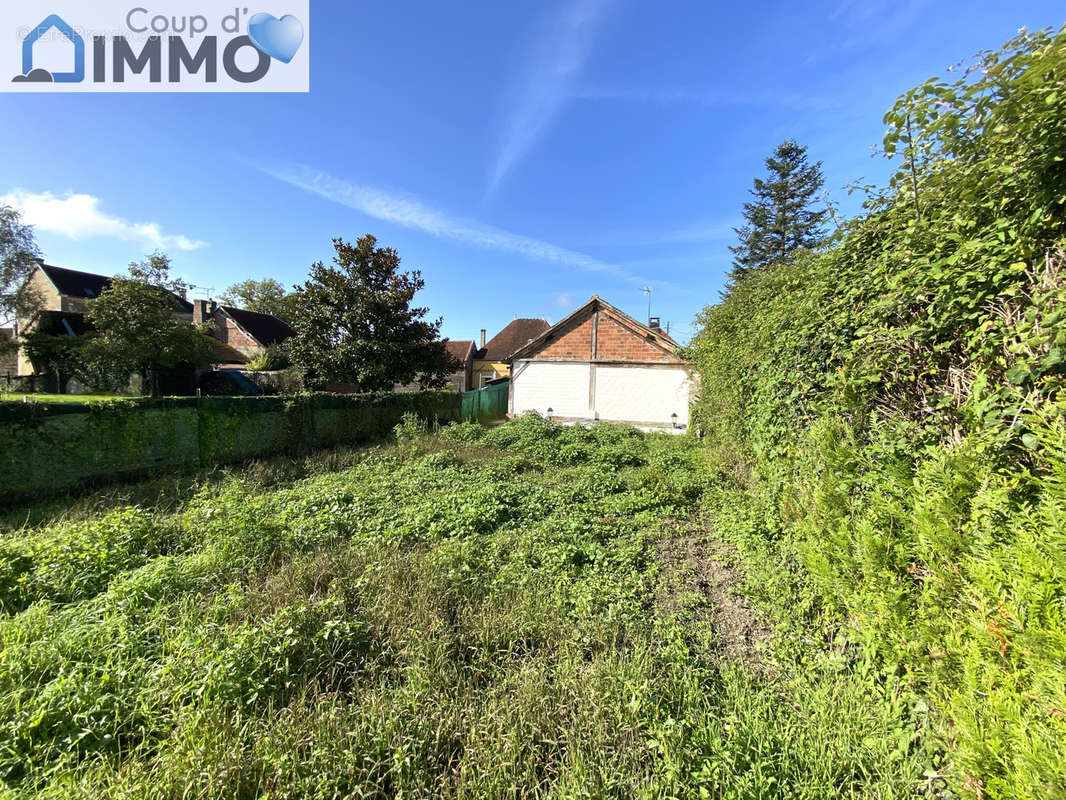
(16, 397)
(528, 611)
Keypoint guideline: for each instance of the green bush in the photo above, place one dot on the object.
(888, 415)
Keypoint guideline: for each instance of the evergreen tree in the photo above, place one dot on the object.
(355, 323)
(783, 216)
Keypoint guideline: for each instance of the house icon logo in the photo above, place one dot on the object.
(31, 75)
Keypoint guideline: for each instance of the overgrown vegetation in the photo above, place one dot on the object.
(484, 613)
(889, 418)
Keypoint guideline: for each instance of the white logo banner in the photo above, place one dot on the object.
(179, 46)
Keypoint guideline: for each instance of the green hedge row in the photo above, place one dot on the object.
(889, 420)
(48, 448)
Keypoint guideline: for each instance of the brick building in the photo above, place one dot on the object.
(600, 363)
(241, 334)
(62, 296)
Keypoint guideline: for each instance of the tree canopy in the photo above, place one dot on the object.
(18, 254)
(266, 296)
(136, 326)
(355, 323)
(783, 216)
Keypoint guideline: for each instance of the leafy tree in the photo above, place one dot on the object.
(18, 254)
(136, 326)
(783, 217)
(267, 296)
(355, 324)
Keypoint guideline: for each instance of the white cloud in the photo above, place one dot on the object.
(79, 216)
(410, 213)
(546, 85)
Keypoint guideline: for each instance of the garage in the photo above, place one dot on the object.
(601, 364)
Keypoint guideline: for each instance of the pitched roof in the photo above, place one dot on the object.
(517, 334)
(459, 349)
(74, 283)
(264, 328)
(655, 335)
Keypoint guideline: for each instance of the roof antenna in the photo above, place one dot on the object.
(647, 291)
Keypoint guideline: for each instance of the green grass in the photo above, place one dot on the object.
(467, 614)
(16, 397)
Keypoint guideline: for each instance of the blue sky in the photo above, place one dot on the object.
(524, 156)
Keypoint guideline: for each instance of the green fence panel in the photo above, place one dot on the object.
(488, 403)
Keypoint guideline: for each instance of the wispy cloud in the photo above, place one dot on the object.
(715, 230)
(867, 22)
(79, 216)
(410, 213)
(706, 97)
(546, 83)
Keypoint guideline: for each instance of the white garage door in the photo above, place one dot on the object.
(642, 394)
(564, 388)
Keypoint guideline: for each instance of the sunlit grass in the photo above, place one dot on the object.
(467, 614)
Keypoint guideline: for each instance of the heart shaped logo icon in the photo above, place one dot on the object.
(278, 38)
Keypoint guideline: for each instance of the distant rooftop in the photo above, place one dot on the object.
(264, 328)
(516, 334)
(75, 283)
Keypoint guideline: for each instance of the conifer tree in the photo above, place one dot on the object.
(783, 217)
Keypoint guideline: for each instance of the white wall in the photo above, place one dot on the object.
(622, 394)
(562, 387)
(642, 394)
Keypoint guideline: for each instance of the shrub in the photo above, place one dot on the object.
(893, 408)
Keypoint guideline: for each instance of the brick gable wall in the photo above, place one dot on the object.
(575, 342)
(617, 342)
(614, 342)
(229, 333)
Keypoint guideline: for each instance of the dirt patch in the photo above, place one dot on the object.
(698, 584)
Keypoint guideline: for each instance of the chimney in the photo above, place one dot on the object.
(202, 311)
(654, 323)
(482, 338)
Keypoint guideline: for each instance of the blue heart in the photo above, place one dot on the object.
(278, 38)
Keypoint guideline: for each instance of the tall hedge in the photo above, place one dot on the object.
(890, 415)
(47, 448)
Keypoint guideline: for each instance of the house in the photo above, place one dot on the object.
(600, 363)
(65, 294)
(240, 335)
(463, 351)
(492, 360)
